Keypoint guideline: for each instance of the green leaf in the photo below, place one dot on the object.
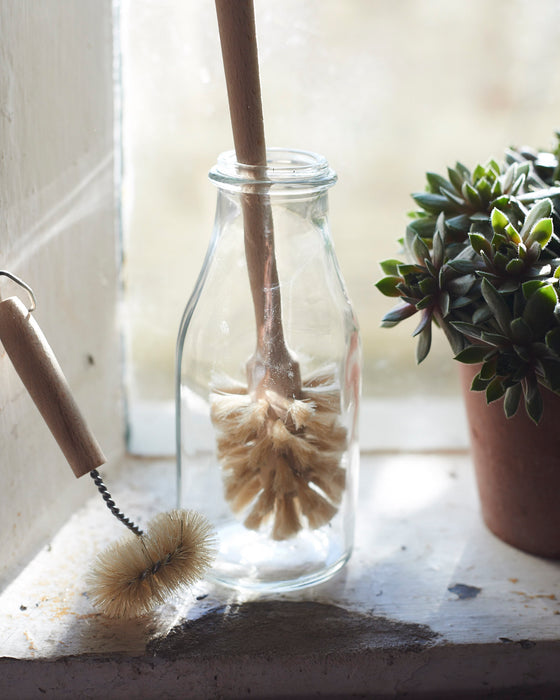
(511, 400)
(551, 369)
(428, 285)
(468, 329)
(423, 227)
(502, 202)
(523, 353)
(518, 184)
(443, 303)
(496, 189)
(408, 269)
(472, 355)
(420, 249)
(530, 287)
(425, 302)
(520, 331)
(433, 203)
(479, 384)
(495, 390)
(498, 220)
(540, 233)
(498, 239)
(495, 339)
(388, 286)
(542, 209)
(484, 188)
(455, 178)
(533, 399)
(478, 172)
(497, 304)
(493, 166)
(513, 234)
(398, 314)
(511, 285)
(481, 315)
(509, 176)
(479, 244)
(471, 195)
(438, 242)
(515, 266)
(463, 171)
(390, 267)
(437, 182)
(488, 369)
(460, 302)
(539, 309)
(461, 266)
(461, 285)
(458, 223)
(553, 340)
(424, 343)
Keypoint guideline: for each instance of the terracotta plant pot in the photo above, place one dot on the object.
(517, 465)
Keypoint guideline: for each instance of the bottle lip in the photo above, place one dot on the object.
(285, 169)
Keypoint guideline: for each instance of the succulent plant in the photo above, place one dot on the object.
(483, 264)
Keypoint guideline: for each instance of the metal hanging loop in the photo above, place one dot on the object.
(25, 286)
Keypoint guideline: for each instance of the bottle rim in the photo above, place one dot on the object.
(287, 168)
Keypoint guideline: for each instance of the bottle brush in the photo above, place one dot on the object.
(142, 570)
(280, 440)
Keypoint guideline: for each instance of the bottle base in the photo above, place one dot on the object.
(251, 561)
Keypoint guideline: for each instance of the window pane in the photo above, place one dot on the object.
(384, 90)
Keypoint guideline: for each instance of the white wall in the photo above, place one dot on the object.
(57, 232)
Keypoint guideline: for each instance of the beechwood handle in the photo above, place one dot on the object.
(38, 368)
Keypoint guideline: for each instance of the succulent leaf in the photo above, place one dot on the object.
(495, 390)
(390, 267)
(424, 343)
(398, 314)
(479, 244)
(496, 304)
(542, 209)
(483, 264)
(388, 286)
(540, 233)
(533, 399)
(511, 400)
(472, 355)
(479, 384)
(539, 309)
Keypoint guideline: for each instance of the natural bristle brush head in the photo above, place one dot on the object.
(137, 573)
(281, 457)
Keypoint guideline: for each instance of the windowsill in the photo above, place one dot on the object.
(397, 619)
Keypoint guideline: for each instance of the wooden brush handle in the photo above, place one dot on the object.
(34, 361)
(236, 22)
(272, 366)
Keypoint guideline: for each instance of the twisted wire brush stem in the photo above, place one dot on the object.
(111, 504)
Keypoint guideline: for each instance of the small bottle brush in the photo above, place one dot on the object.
(142, 570)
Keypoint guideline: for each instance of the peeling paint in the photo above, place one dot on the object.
(464, 591)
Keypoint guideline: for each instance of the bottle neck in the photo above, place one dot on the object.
(287, 173)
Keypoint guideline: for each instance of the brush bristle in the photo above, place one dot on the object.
(137, 573)
(281, 457)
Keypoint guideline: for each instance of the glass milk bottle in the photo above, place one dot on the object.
(268, 381)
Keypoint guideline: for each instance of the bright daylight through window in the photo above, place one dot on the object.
(384, 91)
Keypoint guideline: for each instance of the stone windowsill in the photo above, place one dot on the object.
(429, 603)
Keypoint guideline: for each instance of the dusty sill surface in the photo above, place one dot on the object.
(430, 603)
